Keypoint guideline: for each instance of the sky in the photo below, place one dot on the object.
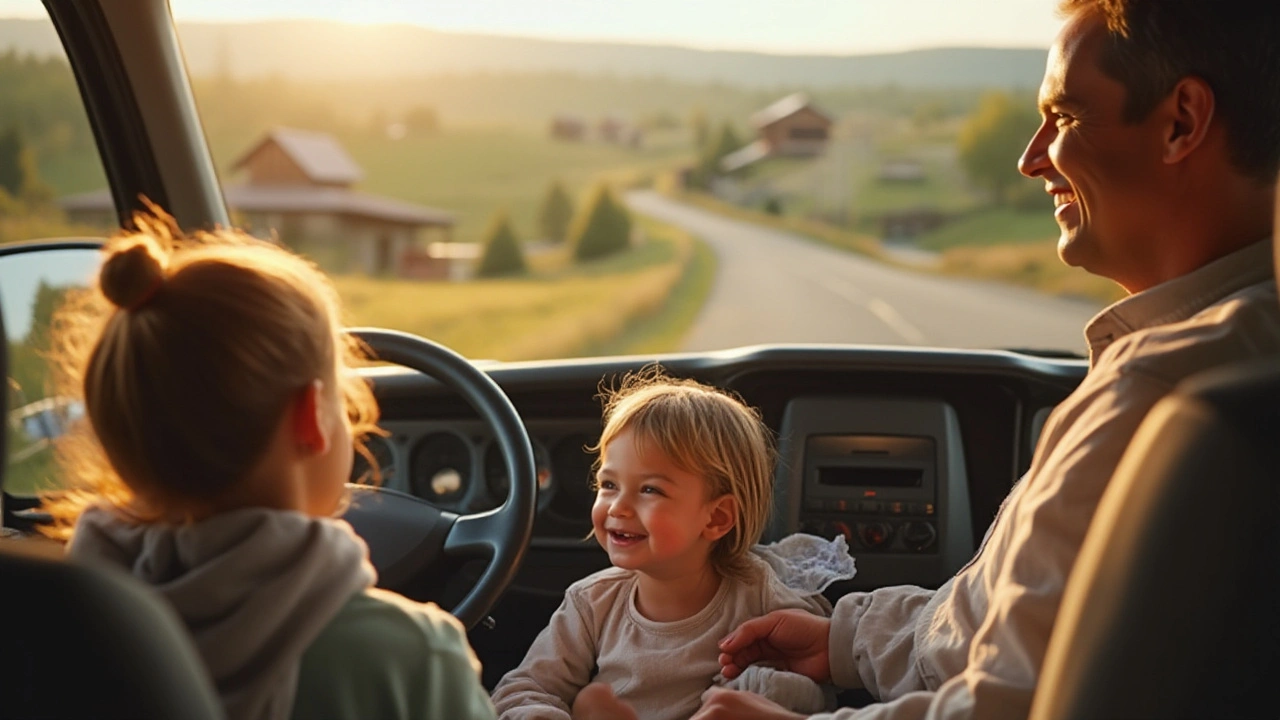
(778, 26)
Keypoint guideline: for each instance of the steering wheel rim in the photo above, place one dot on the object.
(406, 534)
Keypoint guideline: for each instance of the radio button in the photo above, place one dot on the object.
(896, 508)
(869, 506)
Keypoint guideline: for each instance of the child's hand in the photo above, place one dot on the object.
(597, 702)
(793, 639)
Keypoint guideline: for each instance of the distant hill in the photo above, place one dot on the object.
(307, 50)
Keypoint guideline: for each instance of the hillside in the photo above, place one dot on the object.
(304, 50)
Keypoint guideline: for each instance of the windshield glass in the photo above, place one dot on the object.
(558, 179)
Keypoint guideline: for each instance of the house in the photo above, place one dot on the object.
(790, 127)
(569, 128)
(297, 188)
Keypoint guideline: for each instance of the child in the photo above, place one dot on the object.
(683, 493)
(221, 412)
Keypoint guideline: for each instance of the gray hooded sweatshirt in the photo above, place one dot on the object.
(257, 588)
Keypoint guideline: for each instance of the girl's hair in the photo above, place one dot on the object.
(187, 353)
(706, 432)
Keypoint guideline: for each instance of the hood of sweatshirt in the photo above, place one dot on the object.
(254, 586)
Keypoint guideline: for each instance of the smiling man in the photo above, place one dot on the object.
(1160, 144)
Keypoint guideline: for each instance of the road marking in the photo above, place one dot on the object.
(896, 322)
(881, 309)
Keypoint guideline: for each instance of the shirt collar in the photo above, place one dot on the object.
(1180, 298)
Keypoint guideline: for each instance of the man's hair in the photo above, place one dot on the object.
(1233, 45)
(709, 433)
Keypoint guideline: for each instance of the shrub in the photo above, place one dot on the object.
(555, 214)
(602, 227)
(502, 253)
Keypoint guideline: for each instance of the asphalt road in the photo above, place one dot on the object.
(777, 287)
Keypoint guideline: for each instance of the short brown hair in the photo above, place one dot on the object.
(187, 353)
(1233, 45)
(707, 432)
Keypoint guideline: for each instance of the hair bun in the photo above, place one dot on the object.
(132, 273)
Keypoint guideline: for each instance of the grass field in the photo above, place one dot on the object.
(992, 226)
(1035, 264)
(565, 312)
(475, 172)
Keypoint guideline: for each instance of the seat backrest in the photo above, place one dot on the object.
(84, 642)
(1173, 607)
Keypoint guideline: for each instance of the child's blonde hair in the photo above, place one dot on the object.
(707, 432)
(187, 353)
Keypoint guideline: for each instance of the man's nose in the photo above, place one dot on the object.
(1035, 159)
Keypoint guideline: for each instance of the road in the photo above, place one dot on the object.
(777, 287)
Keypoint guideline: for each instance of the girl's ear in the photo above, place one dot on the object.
(308, 425)
(724, 515)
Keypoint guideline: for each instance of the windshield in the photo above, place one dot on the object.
(558, 179)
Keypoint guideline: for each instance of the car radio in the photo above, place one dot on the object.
(886, 474)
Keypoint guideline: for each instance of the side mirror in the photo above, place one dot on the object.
(34, 278)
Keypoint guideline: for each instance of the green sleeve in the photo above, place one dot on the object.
(387, 657)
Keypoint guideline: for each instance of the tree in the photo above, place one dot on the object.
(502, 254)
(701, 129)
(555, 214)
(726, 141)
(11, 162)
(422, 120)
(602, 227)
(991, 141)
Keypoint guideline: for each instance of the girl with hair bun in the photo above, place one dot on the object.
(221, 415)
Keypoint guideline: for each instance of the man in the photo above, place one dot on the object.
(1160, 145)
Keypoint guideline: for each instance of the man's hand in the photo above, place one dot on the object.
(721, 704)
(597, 702)
(793, 639)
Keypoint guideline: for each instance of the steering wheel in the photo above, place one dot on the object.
(406, 535)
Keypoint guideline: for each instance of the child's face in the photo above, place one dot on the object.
(649, 514)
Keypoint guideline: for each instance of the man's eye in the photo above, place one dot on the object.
(1061, 119)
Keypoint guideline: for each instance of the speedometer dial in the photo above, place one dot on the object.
(498, 479)
(441, 468)
(380, 449)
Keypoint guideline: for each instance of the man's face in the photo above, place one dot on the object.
(1101, 171)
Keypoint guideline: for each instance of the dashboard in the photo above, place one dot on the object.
(906, 453)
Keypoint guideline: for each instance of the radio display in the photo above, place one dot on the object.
(853, 476)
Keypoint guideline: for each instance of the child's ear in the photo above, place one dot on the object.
(308, 425)
(724, 515)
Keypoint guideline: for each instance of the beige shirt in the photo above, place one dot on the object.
(975, 646)
(660, 668)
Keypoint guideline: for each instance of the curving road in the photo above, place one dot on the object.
(773, 286)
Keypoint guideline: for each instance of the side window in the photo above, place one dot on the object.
(51, 186)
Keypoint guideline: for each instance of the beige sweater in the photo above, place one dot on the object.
(661, 669)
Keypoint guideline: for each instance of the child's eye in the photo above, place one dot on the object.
(650, 490)
(604, 485)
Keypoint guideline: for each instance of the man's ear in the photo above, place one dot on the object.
(723, 516)
(1191, 107)
(308, 425)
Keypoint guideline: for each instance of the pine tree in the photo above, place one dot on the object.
(602, 227)
(502, 253)
(11, 162)
(556, 213)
